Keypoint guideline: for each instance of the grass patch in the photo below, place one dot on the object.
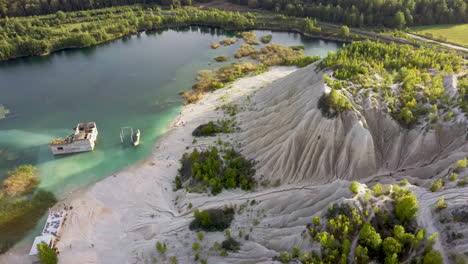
(456, 34)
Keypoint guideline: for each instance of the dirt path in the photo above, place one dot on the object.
(437, 42)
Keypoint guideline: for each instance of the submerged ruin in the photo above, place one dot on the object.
(82, 140)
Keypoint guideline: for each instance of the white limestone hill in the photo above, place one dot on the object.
(294, 142)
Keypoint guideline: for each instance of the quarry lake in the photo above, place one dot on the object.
(133, 82)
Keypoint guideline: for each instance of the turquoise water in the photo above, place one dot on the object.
(128, 82)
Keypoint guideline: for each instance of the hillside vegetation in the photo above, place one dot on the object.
(407, 81)
(376, 226)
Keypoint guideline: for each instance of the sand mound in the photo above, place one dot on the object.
(293, 142)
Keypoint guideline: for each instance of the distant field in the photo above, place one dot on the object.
(456, 34)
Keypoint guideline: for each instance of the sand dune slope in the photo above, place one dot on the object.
(293, 141)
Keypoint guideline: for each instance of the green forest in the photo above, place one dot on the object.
(373, 68)
(40, 35)
(389, 13)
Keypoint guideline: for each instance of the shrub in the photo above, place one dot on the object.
(200, 236)
(285, 257)
(212, 219)
(266, 39)
(404, 182)
(370, 238)
(245, 50)
(174, 260)
(221, 58)
(46, 254)
(453, 176)
(379, 190)
(406, 208)
(316, 220)
(227, 42)
(161, 247)
(391, 246)
(249, 37)
(461, 164)
(207, 169)
(437, 185)
(336, 101)
(21, 180)
(195, 246)
(344, 32)
(303, 61)
(230, 244)
(354, 187)
(433, 257)
(296, 252)
(441, 204)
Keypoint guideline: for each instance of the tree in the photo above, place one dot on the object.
(354, 187)
(399, 20)
(344, 32)
(433, 257)
(46, 254)
(60, 15)
(361, 255)
(406, 208)
(370, 238)
(461, 164)
(391, 246)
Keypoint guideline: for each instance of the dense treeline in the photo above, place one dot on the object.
(390, 13)
(26, 36)
(14, 8)
(372, 69)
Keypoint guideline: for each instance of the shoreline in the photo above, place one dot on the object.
(174, 27)
(145, 187)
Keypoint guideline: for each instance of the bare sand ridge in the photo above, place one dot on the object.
(119, 219)
(294, 142)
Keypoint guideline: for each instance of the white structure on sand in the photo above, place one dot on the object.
(51, 230)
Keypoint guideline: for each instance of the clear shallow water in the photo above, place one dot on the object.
(128, 82)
